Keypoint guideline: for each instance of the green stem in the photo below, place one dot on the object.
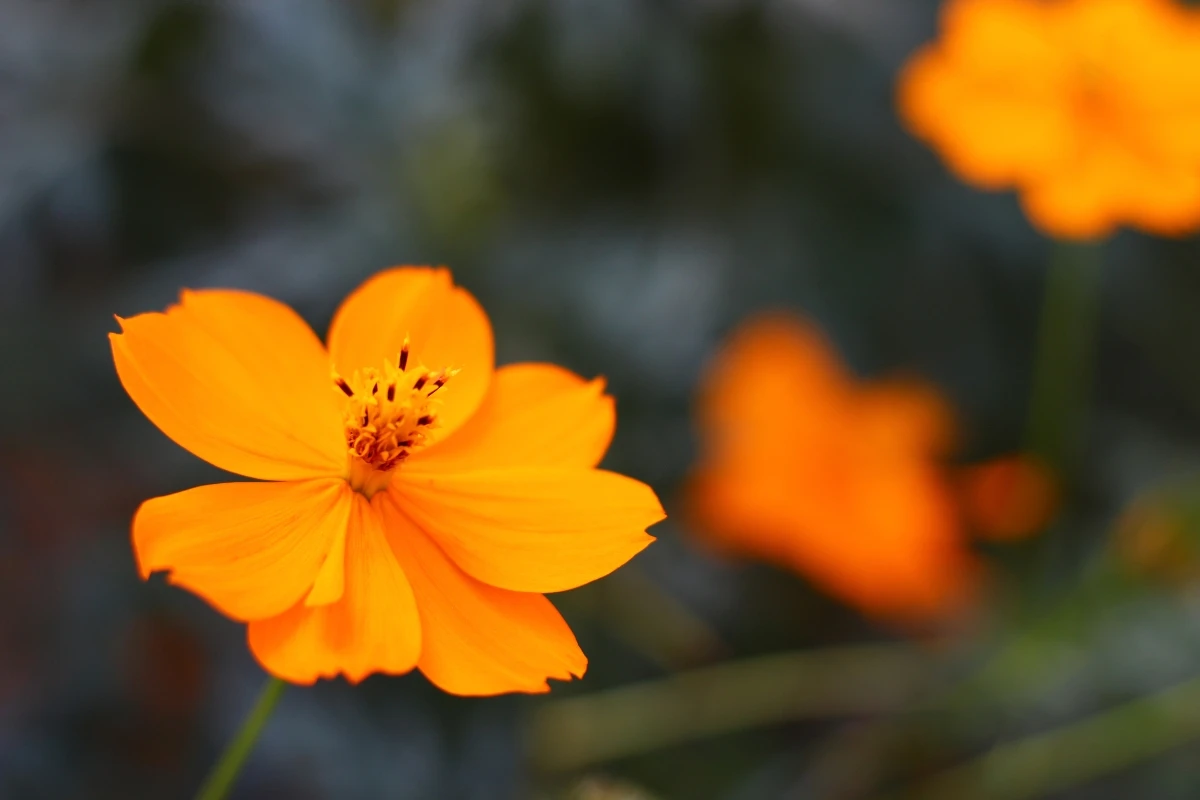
(1082, 751)
(577, 732)
(1063, 366)
(222, 777)
(1061, 380)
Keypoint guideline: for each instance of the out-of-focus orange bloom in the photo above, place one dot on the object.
(1089, 108)
(838, 480)
(1007, 498)
(1152, 539)
(414, 502)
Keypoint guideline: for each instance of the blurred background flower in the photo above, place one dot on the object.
(834, 480)
(621, 184)
(848, 483)
(1090, 108)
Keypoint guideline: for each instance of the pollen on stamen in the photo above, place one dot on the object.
(388, 415)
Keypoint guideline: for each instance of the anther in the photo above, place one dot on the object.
(420, 384)
(391, 394)
(375, 388)
(439, 383)
(404, 355)
(345, 387)
(425, 420)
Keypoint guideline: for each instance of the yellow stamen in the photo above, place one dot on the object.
(389, 412)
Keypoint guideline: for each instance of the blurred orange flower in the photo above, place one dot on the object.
(1155, 539)
(1089, 108)
(837, 480)
(1008, 498)
(416, 502)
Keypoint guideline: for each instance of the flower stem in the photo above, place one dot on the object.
(1058, 759)
(577, 732)
(222, 777)
(1063, 367)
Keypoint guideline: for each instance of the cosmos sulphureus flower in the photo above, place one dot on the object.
(413, 502)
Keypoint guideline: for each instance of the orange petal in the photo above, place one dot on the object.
(1113, 184)
(238, 379)
(477, 639)
(330, 582)
(1003, 40)
(534, 415)
(445, 326)
(531, 529)
(374, 627)
(992, 93)
(993, 136)
(896, 550)
(905, 416)
(250, 549)
(1075, 206)
(750, 397)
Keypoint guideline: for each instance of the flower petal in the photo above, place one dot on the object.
(444, 324)
(890, 543)
(992, 137)
(1112, 184)
(477, 639)
(904, 416)
(531, 529)
(374, 627)
(330, 582)
(534, 415)
(238, 379)
(994, 93)
(250, 549)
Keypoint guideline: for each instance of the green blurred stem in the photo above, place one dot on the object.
(222, 777)
(1063, 366)
(1082, 751)
(859, 680)
(655, 622)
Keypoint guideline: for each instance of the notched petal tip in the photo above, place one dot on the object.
(533, 529)
(648, 502)
(239, 380)
(142, 544)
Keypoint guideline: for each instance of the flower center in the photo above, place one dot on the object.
(389, 412)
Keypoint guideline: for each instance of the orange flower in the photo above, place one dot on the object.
(1008, 498)
(836, 480)
(1154, 539)
(1089, 108)
(418, 501)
